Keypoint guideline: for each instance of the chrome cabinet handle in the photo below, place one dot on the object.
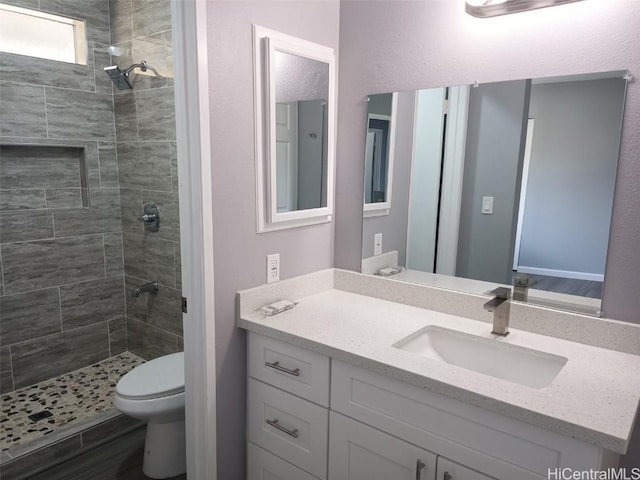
(275, 424)
(277, 366)
(419, 466)
(447, 476)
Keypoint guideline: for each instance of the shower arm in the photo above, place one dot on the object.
(144, 66)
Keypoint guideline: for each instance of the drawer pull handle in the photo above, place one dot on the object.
(275, 424)
(277, 366)
(419, 466)
(447, 476)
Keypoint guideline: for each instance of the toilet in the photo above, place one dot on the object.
(154, 392)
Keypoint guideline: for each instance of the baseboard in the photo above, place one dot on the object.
(594, 277)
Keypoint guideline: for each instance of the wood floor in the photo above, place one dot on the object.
(581, 288)
(117, 460)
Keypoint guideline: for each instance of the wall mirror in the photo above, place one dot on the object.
(379, 153)
(295, 130)
(503, 182)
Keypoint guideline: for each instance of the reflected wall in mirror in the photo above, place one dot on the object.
(379, 153)
(302, 90)
(295, 130)
(509, 181)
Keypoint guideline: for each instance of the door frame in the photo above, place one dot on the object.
(452, 179)
(531, 123)
(196, 233)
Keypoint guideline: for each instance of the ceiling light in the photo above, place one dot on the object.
(492, 8)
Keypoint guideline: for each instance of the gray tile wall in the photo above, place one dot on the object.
(62, 301)
(78, 161)
(145, 139)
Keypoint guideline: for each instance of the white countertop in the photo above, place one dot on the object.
(593, 399)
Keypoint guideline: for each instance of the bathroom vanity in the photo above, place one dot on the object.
(371, 378)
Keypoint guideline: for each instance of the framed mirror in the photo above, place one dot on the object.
(379, 153)
(295, 130)
(504, 183)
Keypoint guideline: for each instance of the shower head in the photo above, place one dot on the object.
(119, 78)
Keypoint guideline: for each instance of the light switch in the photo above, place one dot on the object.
(487, 205)
(377, 244)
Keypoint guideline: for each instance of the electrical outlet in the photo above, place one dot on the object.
(273, 268)
(377, 244)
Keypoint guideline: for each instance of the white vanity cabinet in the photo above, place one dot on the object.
(448, 470)
(310, 416)
(287, 411)
(359, 452)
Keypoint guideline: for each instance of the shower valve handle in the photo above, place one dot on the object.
(149, 217)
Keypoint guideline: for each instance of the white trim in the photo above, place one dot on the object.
(383, 208)
(196, 233)
(523, 189)
(267, 217)
(452, 178)
(594, 277)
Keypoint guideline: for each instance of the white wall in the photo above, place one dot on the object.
(431, 43)
(239, 252)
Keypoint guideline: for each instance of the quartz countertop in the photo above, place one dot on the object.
(594, 398)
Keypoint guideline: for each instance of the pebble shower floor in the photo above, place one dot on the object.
(71, 398)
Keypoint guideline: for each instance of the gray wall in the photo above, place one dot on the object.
(146, 134)
(239, 251)
(311, 154)
(62, 302)
(492, 168)
(438, 44)
(394, 226)
(572, 174)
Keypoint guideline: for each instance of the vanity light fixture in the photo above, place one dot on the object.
(493, 8)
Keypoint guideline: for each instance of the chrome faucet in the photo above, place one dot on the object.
(146, 288)
(521, 287)
(500, 306)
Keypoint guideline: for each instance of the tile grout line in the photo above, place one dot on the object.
(60, 309)
(46, 117)
(104, 255)
(13, 381)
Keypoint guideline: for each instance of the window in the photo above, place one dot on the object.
(38, 34)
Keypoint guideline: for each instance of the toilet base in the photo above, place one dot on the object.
(165, 450)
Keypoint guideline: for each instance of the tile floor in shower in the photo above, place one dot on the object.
(73, 399)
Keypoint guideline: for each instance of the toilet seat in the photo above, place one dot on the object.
(161, 377)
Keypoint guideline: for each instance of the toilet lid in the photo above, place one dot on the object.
(160, 377)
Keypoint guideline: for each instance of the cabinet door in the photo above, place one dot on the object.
(448, 470)
(262, 465)
(359, 452)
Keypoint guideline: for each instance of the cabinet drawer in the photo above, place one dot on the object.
(262, 465)
(359, 452)
(484, 441)
(293, 369)
(448, 470)
(289, 427)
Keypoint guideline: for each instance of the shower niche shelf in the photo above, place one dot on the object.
(43, 177)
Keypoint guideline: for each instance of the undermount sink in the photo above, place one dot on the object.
(485, 355)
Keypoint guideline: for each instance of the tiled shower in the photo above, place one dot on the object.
(78, 160)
